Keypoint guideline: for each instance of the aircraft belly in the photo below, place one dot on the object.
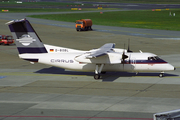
(153, 67)
(118, 67)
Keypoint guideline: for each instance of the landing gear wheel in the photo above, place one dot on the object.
(161, 75)
(97, 76)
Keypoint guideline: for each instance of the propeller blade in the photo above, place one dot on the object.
(124, 57)
(128, 46)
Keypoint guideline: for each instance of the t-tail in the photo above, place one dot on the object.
(26, 39)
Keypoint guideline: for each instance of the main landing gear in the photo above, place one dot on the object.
(98, 71)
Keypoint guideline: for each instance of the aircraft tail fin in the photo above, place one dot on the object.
(26, 39)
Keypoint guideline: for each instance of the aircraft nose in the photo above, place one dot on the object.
(169, 67)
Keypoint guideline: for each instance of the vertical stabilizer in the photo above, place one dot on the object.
(27, 41)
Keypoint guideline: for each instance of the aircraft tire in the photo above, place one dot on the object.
(97, 76)
(161, 75)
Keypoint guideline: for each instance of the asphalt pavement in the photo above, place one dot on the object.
(41, 92)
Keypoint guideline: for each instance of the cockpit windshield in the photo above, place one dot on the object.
(154, 58)
(79, 22)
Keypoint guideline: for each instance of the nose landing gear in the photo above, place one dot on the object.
(161, 74)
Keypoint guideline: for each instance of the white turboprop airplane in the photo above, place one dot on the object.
(105, 58)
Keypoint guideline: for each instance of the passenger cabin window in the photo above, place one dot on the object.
(154, 58)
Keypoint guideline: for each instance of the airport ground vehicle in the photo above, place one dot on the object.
(83, 24)
(6, 39)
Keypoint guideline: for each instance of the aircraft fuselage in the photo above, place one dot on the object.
(137, 62)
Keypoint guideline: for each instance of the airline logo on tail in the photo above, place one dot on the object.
(26, 40)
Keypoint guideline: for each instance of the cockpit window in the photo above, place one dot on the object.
(157, 58)
(154, 58)
(79, 22)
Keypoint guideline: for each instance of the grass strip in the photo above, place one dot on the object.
(136, 19)
(32, 10)
(136, 1)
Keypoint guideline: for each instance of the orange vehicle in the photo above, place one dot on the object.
(6, 39)
(83, 24)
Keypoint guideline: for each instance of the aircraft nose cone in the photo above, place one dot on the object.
(169, 67)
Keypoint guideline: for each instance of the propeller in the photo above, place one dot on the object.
(128, 46)
(124, 56)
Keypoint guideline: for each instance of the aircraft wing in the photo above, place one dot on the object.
(104, 54)
(101, 51)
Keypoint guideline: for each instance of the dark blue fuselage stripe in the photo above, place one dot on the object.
(22, 26)
(160, 61)
(32, 60)
(31, 50)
